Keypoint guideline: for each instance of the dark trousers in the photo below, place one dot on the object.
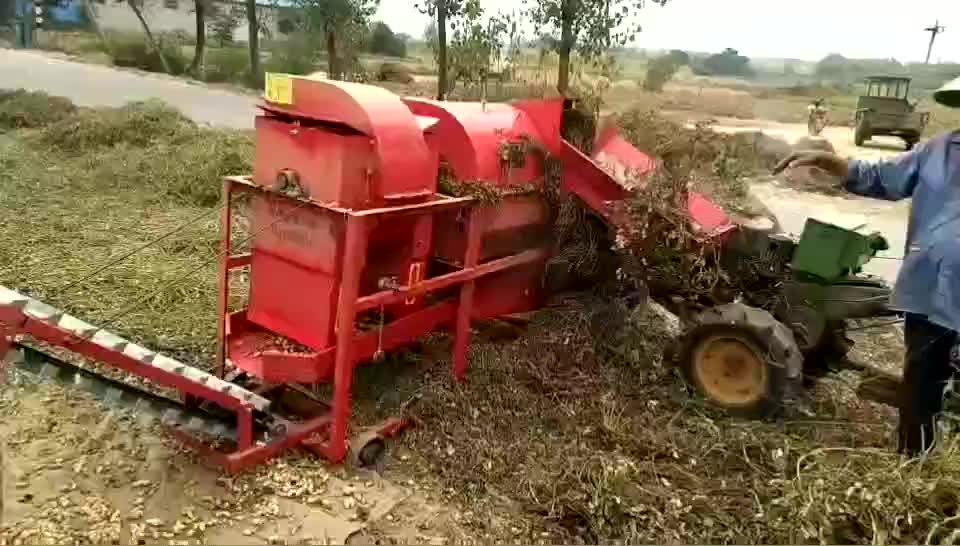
(926, 371)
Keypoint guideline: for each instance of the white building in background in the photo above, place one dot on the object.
(178, 16)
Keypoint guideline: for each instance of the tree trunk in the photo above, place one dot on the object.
(567, 13)
(253, 40)
(199, 51)
(333, 62)
(150, 39)
(608, 35)
(441, 49)
(92, 16)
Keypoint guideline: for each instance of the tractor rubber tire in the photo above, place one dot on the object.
(861, 133)
(742, 360)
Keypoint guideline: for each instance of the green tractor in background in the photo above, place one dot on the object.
(886, 110)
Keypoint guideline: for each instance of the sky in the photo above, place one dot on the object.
(802, 29)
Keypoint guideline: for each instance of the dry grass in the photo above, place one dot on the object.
(138, 124)
(716, 164)
(152, 145)
(25, 109)
(583, 424)
(101, 183)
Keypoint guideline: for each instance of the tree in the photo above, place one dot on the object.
(226, 19)
(253, 42)
(727, 63)
(197, 65)
(135, 6)
(832, 66)
(587, 27)
(441, 10)
(679, 57)
(384, 42)
(339, 21)
(475, 44)
(430, 33)
(91, 15)
(659, 72)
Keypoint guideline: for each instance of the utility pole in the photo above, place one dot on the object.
(934, 30)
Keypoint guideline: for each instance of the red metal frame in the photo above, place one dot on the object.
(337, 363)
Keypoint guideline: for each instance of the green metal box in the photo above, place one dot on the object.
(829, 252)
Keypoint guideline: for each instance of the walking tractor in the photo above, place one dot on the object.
(750, 356)
(352, 250)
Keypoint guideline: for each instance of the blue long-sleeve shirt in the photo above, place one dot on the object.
(929, 279)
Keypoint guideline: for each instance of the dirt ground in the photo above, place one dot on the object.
(76, 470)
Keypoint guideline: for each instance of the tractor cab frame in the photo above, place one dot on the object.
(885, 110)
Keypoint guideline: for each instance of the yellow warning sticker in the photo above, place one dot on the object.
(278, 88)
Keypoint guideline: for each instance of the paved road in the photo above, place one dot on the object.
(793, 207)
(93, 85)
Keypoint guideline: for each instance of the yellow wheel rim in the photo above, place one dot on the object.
(730, 371)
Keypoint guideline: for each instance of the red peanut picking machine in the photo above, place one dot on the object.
(347, 228)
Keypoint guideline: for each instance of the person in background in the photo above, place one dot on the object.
(816, 117)
(928, 285)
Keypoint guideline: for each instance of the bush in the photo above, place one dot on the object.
(659, 72)
(228, 64)
(22, 109)
(132, 50)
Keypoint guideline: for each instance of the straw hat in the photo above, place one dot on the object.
(949, 94)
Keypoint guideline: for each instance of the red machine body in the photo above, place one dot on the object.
(354, 252)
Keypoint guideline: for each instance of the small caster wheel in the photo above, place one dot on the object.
(367, 448)
(371, 453)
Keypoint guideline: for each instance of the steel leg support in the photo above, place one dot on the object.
(354, 257)
(461, 335)
(224, 299)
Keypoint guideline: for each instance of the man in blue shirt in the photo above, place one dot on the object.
(928, 286)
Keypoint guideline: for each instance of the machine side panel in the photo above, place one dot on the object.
(331, 167)
(293, 269)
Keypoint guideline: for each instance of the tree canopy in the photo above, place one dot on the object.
(729, 62)
(384, 42)
(586, 27)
